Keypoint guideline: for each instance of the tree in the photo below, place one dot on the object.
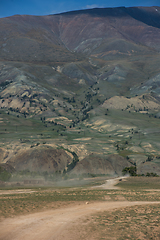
(131, 170)
(73, 163)
(150, 158)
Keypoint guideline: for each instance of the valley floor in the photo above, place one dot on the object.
(57, 224)
(90, 213)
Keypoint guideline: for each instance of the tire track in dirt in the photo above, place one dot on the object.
(49, 225)
(110, 183)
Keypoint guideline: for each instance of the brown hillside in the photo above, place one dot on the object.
(53, 38)
(41, 160)
(111, 164)
(7, 167)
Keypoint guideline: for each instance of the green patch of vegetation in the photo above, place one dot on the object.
(130, 170)
(151, 174)
(4, 175)
(140, 182)
(71, 165)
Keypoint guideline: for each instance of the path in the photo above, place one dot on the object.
(110, 183)
(51, 224)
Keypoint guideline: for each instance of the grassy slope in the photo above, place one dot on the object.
(113, 74)
(100, 133)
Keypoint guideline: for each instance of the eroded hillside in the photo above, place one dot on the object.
(86, 82)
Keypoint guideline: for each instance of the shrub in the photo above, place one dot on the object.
(73, 163)
(150, 158)
(131, 170)
(151, 174)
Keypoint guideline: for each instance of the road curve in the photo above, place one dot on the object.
(50, 224)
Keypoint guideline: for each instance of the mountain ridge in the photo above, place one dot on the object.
(58, 32)
(85, 80)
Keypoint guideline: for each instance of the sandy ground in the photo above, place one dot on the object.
(51, 224)
(17, 191)
(110, 183)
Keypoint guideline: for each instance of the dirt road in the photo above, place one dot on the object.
(51, 224)
(110, 183)
(16, 191)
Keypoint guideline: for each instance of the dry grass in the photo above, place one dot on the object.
(139, 222)
(42, 199)
(138, 183)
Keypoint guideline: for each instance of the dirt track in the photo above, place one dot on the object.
(51, 225)
(17, 191)
(110, 183)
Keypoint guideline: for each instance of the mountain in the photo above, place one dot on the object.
(87, 81)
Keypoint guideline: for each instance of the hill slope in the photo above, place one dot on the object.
(87, 81)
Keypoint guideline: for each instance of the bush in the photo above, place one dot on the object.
(73, 163)
(151, 174)
(150, 158)
(130, 170)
